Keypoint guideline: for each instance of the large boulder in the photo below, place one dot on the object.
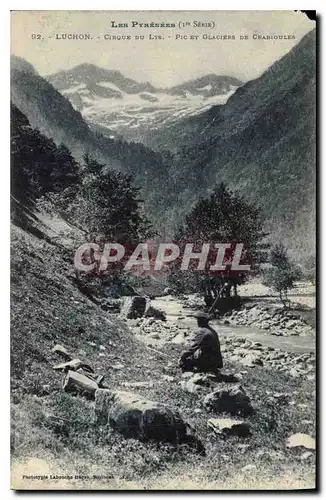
(134, 307)
(78, 383)
(140, 418)
(153, 313)
(110, 304)
(232, 400)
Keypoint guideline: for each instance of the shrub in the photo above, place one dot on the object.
(282, 274)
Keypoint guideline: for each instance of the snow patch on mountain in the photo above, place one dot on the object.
(108, 99)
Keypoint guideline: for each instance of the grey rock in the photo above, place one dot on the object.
(249, 467)
(117, 366)
(238, 351)
(140, 418)
(204, 379)
(277, 355)
(282, 397)
(253, 359)
(301, 440)
(229, 426)
(306, 455)
(243, 447)
(190, 386)
(294, 373)
(134, 307)
(230, 400)
(292, 323)
(156, 314)
(196, 381)
(228, 376)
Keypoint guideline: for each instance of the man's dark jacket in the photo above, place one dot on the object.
(205, 348)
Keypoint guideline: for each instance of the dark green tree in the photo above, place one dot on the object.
(310, 268)
(108, 204)
(65, 172)
(38, 166)
(282, 273)
(224, 217)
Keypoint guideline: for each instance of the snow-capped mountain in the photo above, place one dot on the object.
(109, 99)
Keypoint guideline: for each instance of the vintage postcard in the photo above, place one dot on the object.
(163, 262)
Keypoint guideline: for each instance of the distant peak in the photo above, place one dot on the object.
(91, 70)
(208, 79)
(91, 67)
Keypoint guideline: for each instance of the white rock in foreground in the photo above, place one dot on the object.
(301, 440)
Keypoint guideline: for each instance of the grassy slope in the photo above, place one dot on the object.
(53, 432)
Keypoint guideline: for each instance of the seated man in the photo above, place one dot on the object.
(204, 354)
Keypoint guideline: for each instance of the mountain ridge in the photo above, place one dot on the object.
(107, 98)
(238, 108)
(92, 72)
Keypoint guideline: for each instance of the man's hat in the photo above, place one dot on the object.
(202, 315)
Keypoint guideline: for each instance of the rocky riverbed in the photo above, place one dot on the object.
(155, 334)
(273, 319)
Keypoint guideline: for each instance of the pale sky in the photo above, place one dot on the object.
(164, 62)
